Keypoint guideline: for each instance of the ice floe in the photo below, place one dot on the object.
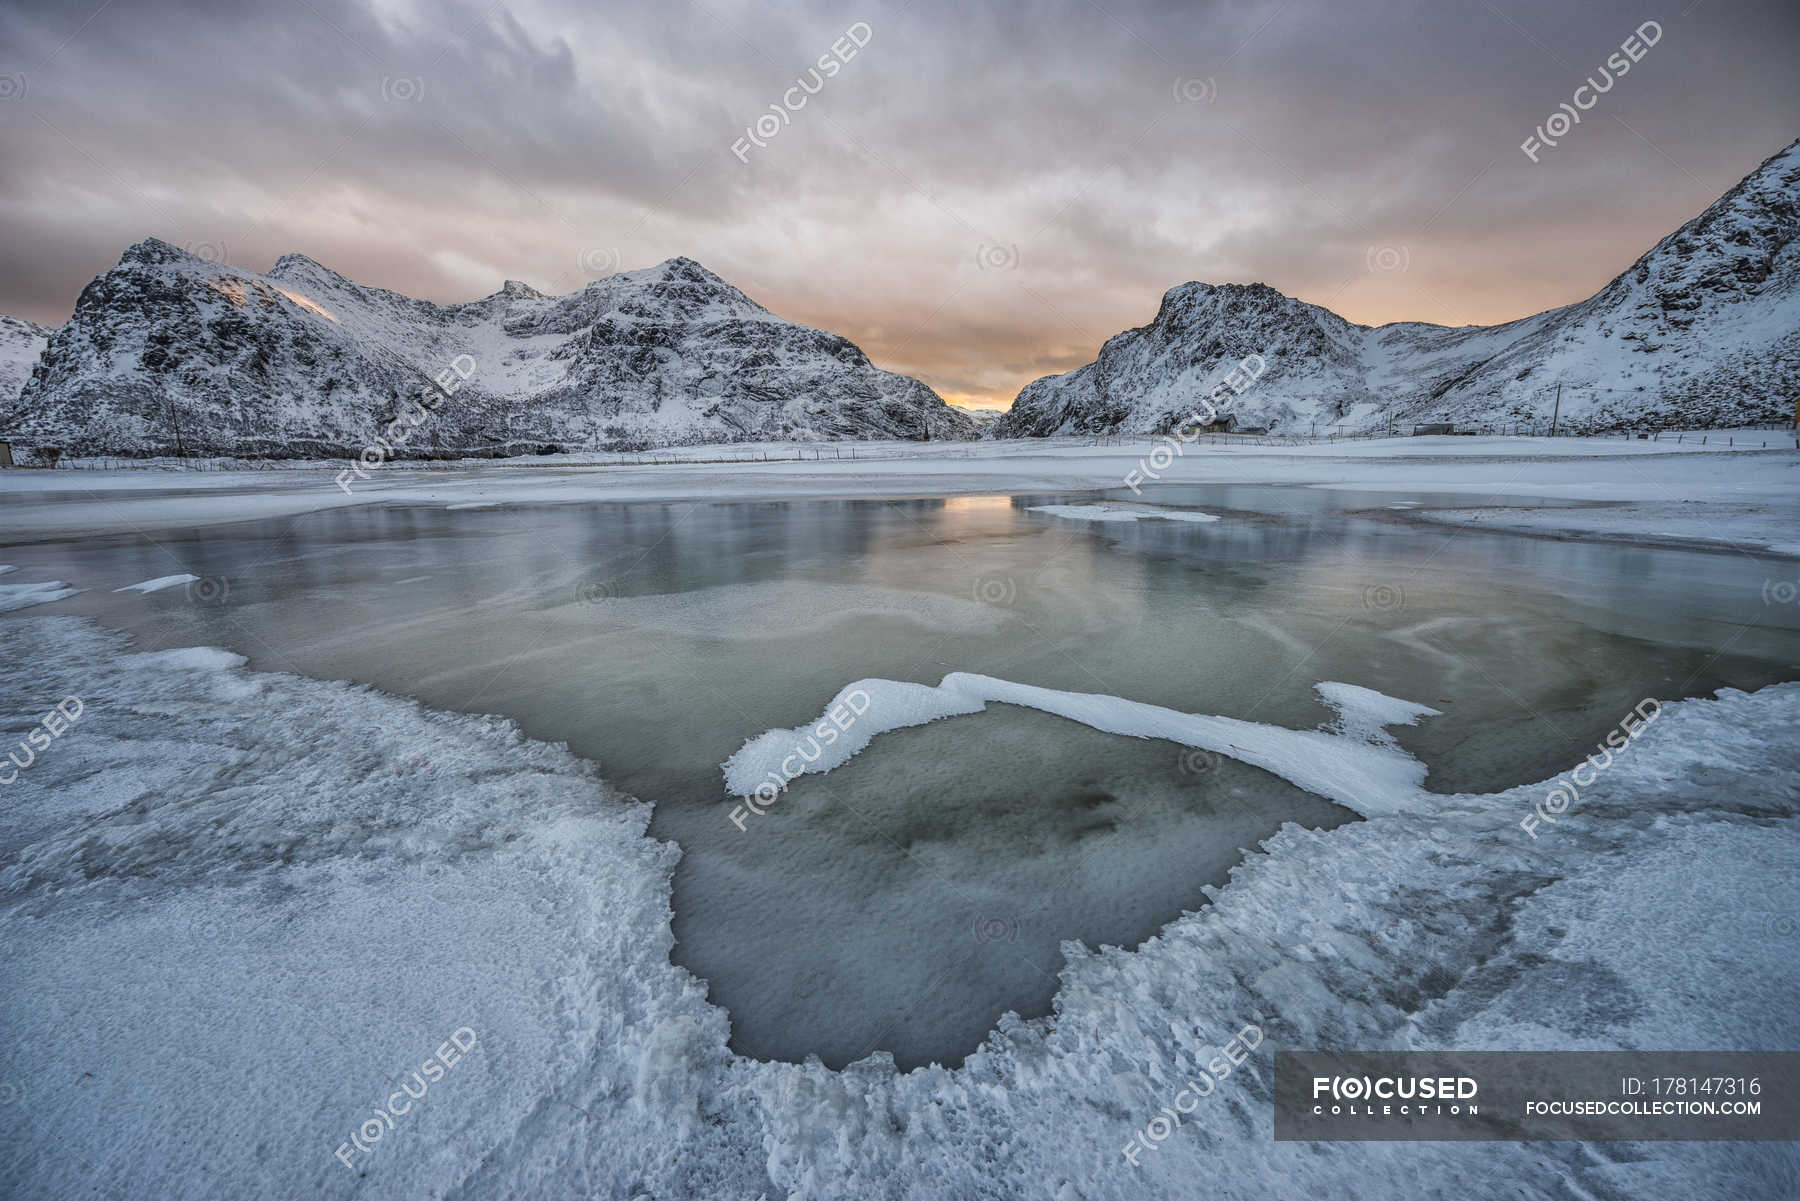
(159, 583)
(1353, 762)
(23, 596)
(1108, 512)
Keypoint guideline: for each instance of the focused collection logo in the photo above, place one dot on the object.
(1393, 1096)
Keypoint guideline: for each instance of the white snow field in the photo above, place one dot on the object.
(240, 908)
(1745, 497)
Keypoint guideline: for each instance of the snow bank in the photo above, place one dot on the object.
(159, 583)
(238, 907)
(1354, 763)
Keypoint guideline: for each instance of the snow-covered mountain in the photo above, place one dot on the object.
(1704, 330)
(167, 350)
(21, 342)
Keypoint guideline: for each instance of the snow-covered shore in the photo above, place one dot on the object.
(1703, 495)
(240, 908)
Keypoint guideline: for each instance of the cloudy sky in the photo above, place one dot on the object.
(981, 195)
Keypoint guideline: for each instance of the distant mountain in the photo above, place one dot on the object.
(21, 342)
(169, 350)
(983, 417)
(1704, 330)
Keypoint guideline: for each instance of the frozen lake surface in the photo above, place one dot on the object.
(905, 901)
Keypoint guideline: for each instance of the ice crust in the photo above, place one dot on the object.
(159, 583)
(1354, 763)
(1122, 513)
(238, 906)
(24, 596)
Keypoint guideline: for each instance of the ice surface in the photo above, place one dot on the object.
(236, 888)
(1357, 765)
(1108, 512)
(792, 608)
(159, 583)
(1724, 496)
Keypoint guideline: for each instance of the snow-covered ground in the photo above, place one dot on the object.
(242, 909)
(1718, 493)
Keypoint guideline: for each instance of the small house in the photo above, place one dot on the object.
(1436, 427)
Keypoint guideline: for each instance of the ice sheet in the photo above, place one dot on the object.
(1732, 497)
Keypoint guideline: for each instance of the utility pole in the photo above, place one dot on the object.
(1796, 425)
(175, 419)
(1557, 411)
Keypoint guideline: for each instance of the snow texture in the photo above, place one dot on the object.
(1702, 331)
(239, 906)
(168, 351)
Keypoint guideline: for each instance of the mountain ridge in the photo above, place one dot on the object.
(1702, 329)
(169, 352)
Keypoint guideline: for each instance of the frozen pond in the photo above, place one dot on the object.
(905, 901)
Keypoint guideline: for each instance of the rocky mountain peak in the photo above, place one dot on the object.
(1704, 329)
(154, 252)
(303, 362)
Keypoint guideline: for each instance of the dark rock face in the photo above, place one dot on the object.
(1703, 330)
(169, 351)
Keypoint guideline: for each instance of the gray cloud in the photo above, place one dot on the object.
(437, 149)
